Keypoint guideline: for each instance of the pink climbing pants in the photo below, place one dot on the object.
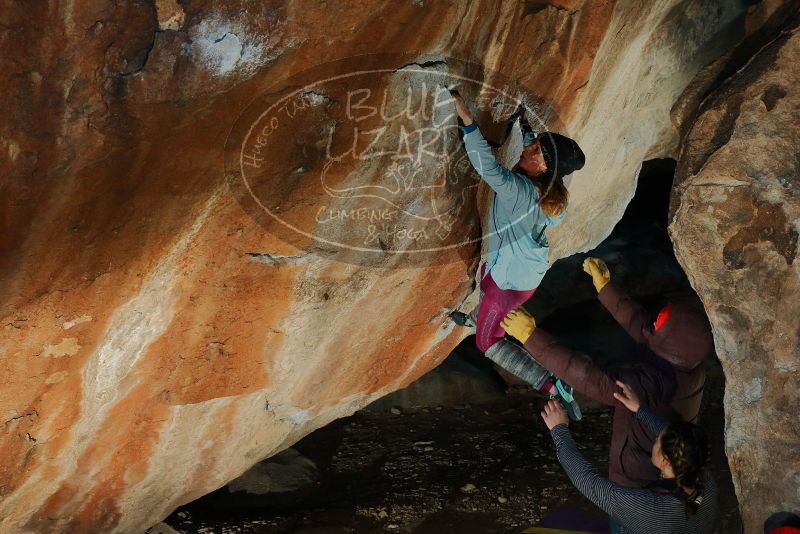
(494, 306)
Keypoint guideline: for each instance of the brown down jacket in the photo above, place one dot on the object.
(668, 377)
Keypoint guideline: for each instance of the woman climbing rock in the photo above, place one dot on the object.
(527, 200)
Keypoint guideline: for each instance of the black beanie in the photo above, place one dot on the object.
(562, 155)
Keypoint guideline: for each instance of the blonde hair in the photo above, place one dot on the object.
(554, 196)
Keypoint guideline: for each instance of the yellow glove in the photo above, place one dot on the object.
(519, 324)
(598, 270)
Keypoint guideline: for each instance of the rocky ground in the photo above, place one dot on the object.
(481, 469)
(485, 468)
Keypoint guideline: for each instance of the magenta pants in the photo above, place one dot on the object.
(494, 306)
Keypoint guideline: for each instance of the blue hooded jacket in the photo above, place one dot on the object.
(518, 246)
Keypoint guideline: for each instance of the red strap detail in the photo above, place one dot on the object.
(663, 315)
(785, 530)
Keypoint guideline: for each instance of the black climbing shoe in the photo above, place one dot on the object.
(461, 318)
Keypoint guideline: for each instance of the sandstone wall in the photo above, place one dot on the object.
(735, 229)
(155, 341)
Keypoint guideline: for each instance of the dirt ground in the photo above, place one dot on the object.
(466, 469)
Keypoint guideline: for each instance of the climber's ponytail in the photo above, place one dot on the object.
(562, 156)
(554, 196)
(686, 447)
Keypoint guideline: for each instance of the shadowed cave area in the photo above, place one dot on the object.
(463, 448)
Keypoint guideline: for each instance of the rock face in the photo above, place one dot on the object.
(157, 339)
(736, 220)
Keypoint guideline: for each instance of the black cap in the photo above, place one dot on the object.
(562, 155)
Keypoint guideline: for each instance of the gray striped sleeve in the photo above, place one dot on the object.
(651, 420)
(636, 508)
(598, 489)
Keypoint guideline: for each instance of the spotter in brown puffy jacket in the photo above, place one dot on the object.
(668, 376)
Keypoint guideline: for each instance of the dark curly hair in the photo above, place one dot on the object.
(686, 448)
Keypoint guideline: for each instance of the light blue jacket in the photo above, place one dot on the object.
(517, 242)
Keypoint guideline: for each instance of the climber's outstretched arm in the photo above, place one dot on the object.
(627, 312)
(577, 369)
(651, 384)
(508, 185)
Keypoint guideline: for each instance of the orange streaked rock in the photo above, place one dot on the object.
(155, 341)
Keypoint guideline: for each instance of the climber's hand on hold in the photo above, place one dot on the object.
(461, 108)
(598, 270)
(519, 324)
(554, 414)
